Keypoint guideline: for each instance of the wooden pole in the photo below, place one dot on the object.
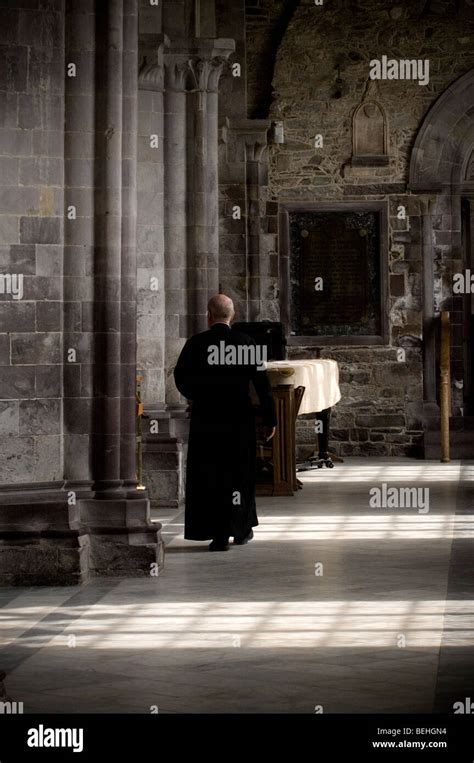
(140, 409)
(445, 386)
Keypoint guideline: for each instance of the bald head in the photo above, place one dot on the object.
(220, 309)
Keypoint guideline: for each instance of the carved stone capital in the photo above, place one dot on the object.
(151, 75)
(427, 203)
(186, 66)
(177, 72)
(203, 61)
(253, 134)
(207, 72)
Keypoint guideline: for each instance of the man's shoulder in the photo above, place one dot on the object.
(198, 339)
(204, 338)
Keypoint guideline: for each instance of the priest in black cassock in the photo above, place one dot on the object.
(214, 371)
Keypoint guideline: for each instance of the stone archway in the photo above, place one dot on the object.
(440, 171)
(445, 140)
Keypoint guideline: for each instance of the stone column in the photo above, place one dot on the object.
(175, 181)
(203, 279)
(123, 541)
(198, 197)
(249, 143)
(164, 81)
(78, 261)
(108, 242)
(216, 69)
(128, 308)
(190, 145)
(255, 151)
(151, 327)
(191, 207)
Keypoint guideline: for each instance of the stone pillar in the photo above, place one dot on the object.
(247, 142)
(78, 261)
(191, 73)
(123, 540)
(175, 180)
(203, 279)
(191, 205)
(163, 80)
(217, 66)
(128, 308)
(164, 224)
(197, 199)
(254, 154)
(108, 242)
(151, 324)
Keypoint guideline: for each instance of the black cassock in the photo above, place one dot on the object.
(220, 475)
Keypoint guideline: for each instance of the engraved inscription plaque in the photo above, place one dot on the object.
(335, 273)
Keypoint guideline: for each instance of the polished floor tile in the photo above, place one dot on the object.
(335, 603)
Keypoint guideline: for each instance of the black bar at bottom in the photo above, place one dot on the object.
(319, 737)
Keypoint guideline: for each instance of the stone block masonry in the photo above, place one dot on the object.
(319, 74)
(69, 503)
(31, 239)
(377, 415)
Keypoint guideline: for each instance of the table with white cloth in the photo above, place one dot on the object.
(299, 387)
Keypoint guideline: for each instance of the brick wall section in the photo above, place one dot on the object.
(31, 237)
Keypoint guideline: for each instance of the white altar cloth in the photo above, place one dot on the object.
(320, 378)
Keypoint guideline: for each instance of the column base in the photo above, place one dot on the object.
(164, 458)
(44, 561)
(123, 540)
(44, 540)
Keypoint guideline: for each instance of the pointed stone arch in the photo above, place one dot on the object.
(468, 175)
(441, 168)
(445, 140)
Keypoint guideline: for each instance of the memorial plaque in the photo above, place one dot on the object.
(335, 273)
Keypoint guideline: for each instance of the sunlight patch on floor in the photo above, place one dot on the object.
(216, 624)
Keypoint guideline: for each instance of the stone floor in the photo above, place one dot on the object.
(387, 627)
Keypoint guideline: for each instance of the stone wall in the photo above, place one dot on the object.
(31, 239)
(69, 503)
(319, 40)
(320, 78)
(266, 23)
(380, 410)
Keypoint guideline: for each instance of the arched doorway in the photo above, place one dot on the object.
(441, 169)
